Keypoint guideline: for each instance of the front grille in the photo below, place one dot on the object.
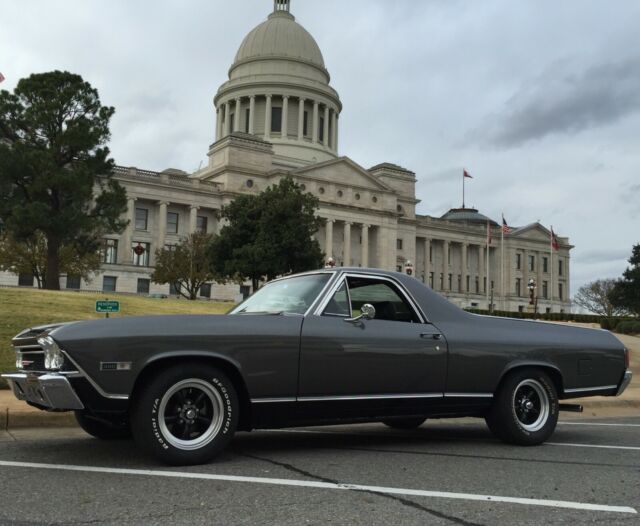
(33, 360)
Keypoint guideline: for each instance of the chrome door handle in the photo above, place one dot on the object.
(431, 335)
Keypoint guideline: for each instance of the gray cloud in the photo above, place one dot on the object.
(563, 102)
(604, 256)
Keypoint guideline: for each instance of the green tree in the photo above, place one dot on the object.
(186, 265)
(55, 170)
(268, 235)
(30, 257)
(626, 292)
(594, 297)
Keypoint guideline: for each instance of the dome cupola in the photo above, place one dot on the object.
(278, 89)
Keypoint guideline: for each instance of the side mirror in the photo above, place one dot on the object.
(367, 312)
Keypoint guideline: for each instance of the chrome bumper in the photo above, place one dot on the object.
(626, 380)
(52, 391)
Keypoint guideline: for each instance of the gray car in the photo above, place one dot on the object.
(327, 347)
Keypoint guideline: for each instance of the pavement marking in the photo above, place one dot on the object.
(628, 448)
(328, 485)
(596, 424)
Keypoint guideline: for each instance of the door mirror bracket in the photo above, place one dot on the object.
(367, 312)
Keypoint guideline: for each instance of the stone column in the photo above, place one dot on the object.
(252, 113)
(427, 263)
(445, 265)
(227, 121)
(314, 131)
(539, 276)
(301, 119)
(328, 241)
(124, 251)
(465, 267)
(267, 120)
(285, 117)
(236, 123)
(482, 271)
(193, 219)
(524, 291)
(347, 244)
(162, 225)
(326, 126)
(334, 130)
(218, 124)
(365, 246)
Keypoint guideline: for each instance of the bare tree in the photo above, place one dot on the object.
(594, 297)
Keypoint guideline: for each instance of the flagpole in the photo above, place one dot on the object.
(463, 178)
(502, 264)
(488, 283)
(551, 266)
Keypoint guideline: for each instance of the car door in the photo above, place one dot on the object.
(396, 356)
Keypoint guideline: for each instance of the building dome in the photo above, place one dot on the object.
(280, 36)
(468, 215)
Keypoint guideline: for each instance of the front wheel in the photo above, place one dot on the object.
(185, 415)
(525, 408)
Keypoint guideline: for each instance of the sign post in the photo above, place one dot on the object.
(107, 307)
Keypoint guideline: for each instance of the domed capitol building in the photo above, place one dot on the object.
(279, 116)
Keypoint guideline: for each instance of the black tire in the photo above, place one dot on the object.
(404, 423)
(525, 408)
(103, 427)
(185, 415)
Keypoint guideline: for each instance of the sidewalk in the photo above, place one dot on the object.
(16, 414)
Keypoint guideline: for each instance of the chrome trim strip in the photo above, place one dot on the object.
(468, 395)
(272, 400)
(367, 397)
(588, 389)
(93, 383)
(626, 380)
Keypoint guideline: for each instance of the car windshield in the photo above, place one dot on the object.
(292, 296)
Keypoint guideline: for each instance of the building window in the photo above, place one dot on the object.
(174, 289)
(321, 129)
(305, 124)
(247, 118)
(430, 253)
(477, 285)
(449, 255)
(205, 290)
(459, 282)
(140, 254)
(109, 283)
(441, 281)
(468, 283)
(245, 290)
(73, 282)
(518, 286)
(545, 289)
(520, 308)
(548, 310)
(545, 264)
(532, 263)
(398, 268)
(110, 251)
(170, 248)
(399, 244)
(561, 291)
(172, 223)
(142, 218)
(143, 286)
(484, 285)
(560, 267)
(276, 119)
(202, 224)
(518, 261)
(431, 279)
(25, 280)
(450, 281)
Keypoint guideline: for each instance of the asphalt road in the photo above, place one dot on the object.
(446, 472)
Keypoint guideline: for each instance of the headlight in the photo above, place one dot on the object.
(53, 358)
(18, 360)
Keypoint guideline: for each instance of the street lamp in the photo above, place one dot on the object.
(533, 298)
(408, 268)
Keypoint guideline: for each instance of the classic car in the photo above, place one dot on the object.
(332, 346)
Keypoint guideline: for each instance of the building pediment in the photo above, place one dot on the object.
(534, 231)
(342, 171)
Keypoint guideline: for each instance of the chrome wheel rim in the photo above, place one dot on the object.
(190, 414)
(531, 405)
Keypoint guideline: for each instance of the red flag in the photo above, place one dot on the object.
(466, 174)
(554, 241)
(506, 229)
(1, 77)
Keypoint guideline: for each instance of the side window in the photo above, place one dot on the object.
(389, 303)
(339, 304)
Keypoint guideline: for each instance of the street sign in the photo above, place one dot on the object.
(107, 307)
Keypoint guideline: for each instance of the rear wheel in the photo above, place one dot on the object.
(525, 408)
(185, 415)
(105, 428)
(404, 423)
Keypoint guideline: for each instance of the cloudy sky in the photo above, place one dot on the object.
(539, 100)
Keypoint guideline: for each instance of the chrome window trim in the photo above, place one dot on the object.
(588, 389)
(101, 391)
(346, 274)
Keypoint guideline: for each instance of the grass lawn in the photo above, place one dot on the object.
(22, 308)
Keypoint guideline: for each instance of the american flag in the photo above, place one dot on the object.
(506, 229)
(1, 77)
(554, 240)
(466, 174)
